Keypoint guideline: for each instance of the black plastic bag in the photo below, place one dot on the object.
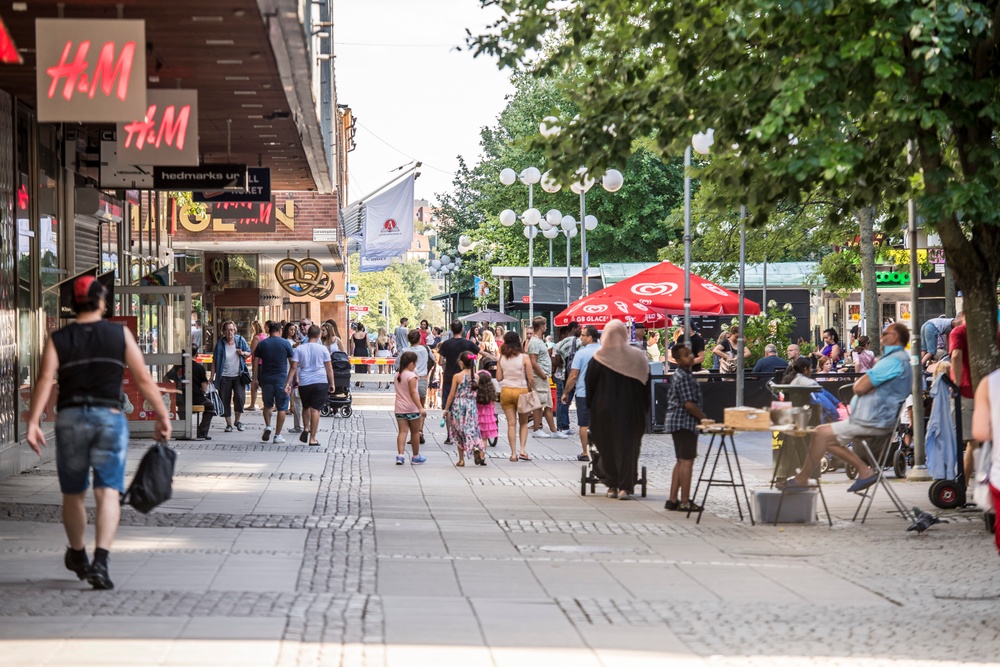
(153, 481)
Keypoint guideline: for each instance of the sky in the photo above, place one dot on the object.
(413, 95)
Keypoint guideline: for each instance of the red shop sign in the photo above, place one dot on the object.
(90, 70)
(167, 135)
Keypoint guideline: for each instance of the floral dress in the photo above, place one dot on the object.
(465, 418)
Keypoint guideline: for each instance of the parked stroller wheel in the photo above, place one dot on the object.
(347, 411)
(583, 480)
(851, 471)
(899, 464)
(325, 411)
(946, 494)
(824, 465)
(642, 480)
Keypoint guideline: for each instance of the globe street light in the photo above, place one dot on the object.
(530, 218)
(567, 226)
(441, 269)
(702, 142)
(612, 182)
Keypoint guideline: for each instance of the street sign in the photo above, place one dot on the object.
(352, 290)
(325, 235)
(358, 309)
(525, 299)
(205, 177)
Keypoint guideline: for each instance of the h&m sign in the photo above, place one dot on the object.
(166, 135)
(90, 70)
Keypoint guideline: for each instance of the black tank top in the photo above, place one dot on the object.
(91, 364)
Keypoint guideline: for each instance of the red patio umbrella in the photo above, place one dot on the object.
(662, 287)
(599, 310)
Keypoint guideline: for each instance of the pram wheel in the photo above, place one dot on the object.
(583, 480)
(899, 464)
(326, 411)
(642, 481)
(347, 411)
(824, 465)
(851, 471)
(946, 494)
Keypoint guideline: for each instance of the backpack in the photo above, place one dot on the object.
(568, 362)
(153, 481)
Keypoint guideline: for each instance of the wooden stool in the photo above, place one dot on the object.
(198, 410)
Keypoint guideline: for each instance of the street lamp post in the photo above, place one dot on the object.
(530, 219)
(701, 142)
(612, 182)
(443, 268)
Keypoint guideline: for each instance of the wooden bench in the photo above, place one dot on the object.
(197, 409)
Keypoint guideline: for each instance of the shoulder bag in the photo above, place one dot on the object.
(528, 402)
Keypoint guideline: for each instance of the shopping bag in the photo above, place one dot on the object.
(153, 481)
(212, 394)
(528, 402)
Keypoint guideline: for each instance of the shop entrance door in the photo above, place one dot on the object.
(160, 320)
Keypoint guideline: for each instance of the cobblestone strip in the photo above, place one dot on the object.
(339, 620)
(599, 528)
(335, 523)
(733, 629)
(517, 481)
(294, 476)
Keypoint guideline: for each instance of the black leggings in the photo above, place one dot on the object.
(233, 394)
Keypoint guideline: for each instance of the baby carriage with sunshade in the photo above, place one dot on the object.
(339, 399)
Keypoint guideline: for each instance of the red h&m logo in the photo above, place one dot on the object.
(390, 225)
(106, 72)
(173, 125)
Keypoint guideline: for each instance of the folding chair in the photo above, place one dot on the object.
(868, 494)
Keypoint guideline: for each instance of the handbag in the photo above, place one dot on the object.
(981, 494)
(212, 394)
(245, 377)
(528, 402)
(153, 481)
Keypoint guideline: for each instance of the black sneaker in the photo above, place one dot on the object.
(98, 577)
(672, 505)
(447, 441)
(77, 562)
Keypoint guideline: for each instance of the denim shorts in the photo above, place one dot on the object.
(91, 438)
(582, 412)
(274, 396)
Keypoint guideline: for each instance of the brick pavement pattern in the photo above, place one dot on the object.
(333, 555)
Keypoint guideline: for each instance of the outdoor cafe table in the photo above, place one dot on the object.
(726, 446)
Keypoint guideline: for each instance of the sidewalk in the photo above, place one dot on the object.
(332, 555)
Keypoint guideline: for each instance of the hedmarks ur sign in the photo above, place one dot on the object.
(90, 70)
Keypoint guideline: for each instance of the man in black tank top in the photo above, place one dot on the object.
(88, 358)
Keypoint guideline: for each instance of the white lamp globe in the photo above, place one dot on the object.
(507, 217)
(583, 185)
(531, 217)
(572, 233)
(567, 223)
(530, 176)
(445, 270)
(543, 224)
(508, 176)
(530, 232)
(445, 259)
(590, 222)
(553, 217)
(458, 262)
(548, 127)
(436, 264)
(550, 184)
(464, 240)
(551, 232)
(703, 141)
(612, 180)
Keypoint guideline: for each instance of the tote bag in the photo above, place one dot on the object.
(528, 402)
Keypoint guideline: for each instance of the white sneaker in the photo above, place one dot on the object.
(542, 433)
(559, 435)
(278, 440)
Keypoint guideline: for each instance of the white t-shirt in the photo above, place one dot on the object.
(231, 368)
(311, 358)
(421, 368)
(904, 414)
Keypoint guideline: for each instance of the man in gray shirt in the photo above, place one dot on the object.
(401, 334)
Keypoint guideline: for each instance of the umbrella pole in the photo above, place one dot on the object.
(687, 247)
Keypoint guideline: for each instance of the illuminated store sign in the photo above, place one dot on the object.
(90, 70)
(168, 133)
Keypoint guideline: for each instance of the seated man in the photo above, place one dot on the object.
(878, 395)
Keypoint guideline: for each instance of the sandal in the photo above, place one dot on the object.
(524, 457)
(671, 505)
(690, 506)
(513, 459)
(460, 464)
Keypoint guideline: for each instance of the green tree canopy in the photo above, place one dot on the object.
(804, 96)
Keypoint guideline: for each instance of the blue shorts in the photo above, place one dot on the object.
(91, 438)
(582, 412)
(274, 396)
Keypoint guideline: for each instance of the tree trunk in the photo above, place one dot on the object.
(869, 290)
(976, 264)
(950, 293)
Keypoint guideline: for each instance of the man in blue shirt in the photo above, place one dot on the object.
(273, 353)
(878, 396)
(770, 362)
(591, 340)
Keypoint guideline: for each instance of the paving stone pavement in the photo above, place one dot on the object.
(289, 555)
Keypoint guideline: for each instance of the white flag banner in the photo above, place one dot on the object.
(388, 228)
(377, 264)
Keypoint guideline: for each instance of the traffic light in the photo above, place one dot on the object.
(383, 307)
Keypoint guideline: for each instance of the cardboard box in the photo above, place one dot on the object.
(748, 419)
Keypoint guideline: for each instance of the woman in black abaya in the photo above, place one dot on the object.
(617, 380)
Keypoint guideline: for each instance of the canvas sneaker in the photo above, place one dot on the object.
(559, 435)
(542, 433)
(278, 440)
(267, 434)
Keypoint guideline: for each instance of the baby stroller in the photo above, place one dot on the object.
(590, 477)
(339, 399)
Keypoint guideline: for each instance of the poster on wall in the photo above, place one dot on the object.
(903, 312)
(853, 312)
